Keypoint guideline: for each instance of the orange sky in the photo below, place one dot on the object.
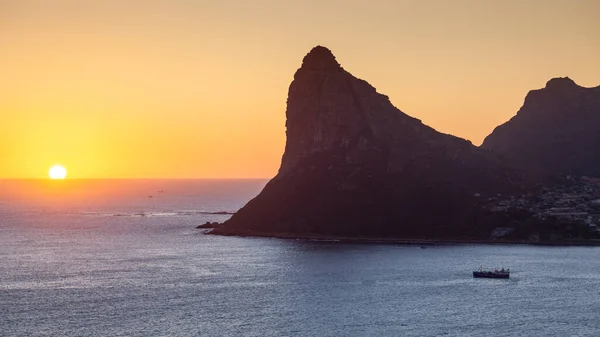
(197, 89)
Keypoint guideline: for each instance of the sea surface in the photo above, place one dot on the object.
(123, 258)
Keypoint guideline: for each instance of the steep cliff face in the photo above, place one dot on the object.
(355, 165)
(556, 131)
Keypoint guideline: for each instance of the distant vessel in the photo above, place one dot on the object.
(502, 273)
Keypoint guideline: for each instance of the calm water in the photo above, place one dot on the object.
(104, 259)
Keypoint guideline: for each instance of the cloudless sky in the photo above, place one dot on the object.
(197, 89)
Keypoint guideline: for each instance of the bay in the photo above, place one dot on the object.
(123, 258)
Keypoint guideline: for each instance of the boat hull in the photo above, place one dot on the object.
(489, 274)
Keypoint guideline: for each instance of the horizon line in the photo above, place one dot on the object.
(79, 179)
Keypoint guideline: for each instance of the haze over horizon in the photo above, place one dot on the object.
(197, 89)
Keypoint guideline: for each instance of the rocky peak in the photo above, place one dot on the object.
(557, 99)
(559, 88)
(356, 165)
(561, 83)
(555, 131)
(320, 58)
(331, 110)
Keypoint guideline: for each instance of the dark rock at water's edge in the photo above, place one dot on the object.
(356, 166)
(210, 225)
(556, 131)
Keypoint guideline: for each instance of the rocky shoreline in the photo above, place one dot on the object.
(406, 241)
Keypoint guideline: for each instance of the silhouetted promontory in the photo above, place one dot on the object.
(354, 165)
(556, 131)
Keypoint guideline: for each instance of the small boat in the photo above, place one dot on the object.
(502, 273)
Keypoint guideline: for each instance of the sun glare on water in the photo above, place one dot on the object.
(57, 172)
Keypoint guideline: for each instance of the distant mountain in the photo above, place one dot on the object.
(556, 131)
(354, 165)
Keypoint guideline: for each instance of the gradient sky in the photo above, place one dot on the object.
(197, 89)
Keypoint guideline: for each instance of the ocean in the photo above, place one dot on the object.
(123, 258)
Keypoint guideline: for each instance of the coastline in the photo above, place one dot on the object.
(406, 241)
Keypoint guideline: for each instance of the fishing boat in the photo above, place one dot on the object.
(496, 273)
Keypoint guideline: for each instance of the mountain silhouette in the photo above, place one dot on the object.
(354, 165)
(556, 131)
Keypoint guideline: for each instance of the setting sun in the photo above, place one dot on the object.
(57, 172)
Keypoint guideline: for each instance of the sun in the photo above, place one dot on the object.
(57, 172)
